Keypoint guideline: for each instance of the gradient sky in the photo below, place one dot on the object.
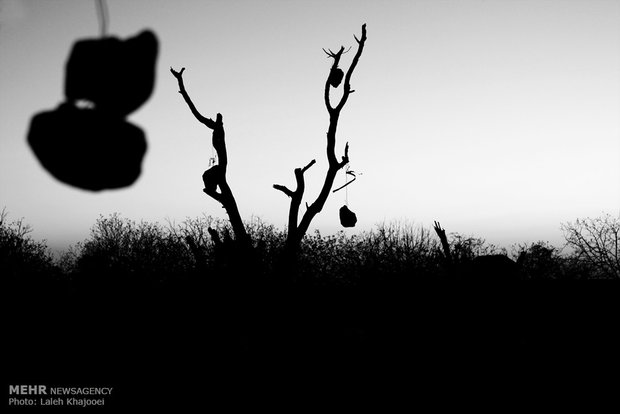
(498, 118)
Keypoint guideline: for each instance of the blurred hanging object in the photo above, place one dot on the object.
(102, 16)
(86, 141)
(116, 75)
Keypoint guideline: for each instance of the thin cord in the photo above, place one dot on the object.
(102, 16)
(346, 189)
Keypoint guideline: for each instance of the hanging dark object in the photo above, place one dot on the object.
(116, 75)
(347, 217)
(86, 148)
(335, 77)
(335, 74)
(86, 142)
(211, 179)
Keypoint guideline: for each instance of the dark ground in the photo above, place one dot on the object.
(202, 345)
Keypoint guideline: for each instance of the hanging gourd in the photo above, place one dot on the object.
(86, 141)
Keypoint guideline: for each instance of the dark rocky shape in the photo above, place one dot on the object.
(347, 217)
(335, 77)
(87, 148)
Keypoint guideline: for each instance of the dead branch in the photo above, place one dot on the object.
(296, 230)
(215, 177)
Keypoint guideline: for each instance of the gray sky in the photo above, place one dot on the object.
(497, 118)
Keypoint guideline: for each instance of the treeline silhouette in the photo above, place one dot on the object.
(141, 255)
(162, 310)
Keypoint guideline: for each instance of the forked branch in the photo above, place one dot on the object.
(215, 177)
(296, 197)
(296, 230)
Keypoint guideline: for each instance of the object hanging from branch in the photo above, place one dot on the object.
(335, 77)
(347, 217)
(211, 179)
(214, 177)
(335, 74)
(86, 142)
(297, 230)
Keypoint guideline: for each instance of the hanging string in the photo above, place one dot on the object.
(102, 16)
(346, 189)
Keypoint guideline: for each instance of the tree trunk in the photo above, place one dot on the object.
(297, 230)
(215, 177)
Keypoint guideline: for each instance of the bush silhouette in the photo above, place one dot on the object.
(595, 242)
(24, 262)
(161, 301)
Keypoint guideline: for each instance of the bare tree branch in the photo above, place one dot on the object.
(310, 164)
(296, 231)
(296, 197)
(334, 114)
(441, 233)
(300, 180)
(345, 158)
(356, 58)
(215, 177)
(204, 120)
(283, 189)
(336, 56)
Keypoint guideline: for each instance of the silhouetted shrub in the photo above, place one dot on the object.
(23, 261)
(392, 250)
(595, 242)
(122, 252)
(542, 261)
(465, 248)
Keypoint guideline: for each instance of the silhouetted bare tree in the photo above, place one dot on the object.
(297, 229)
(215, 176)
